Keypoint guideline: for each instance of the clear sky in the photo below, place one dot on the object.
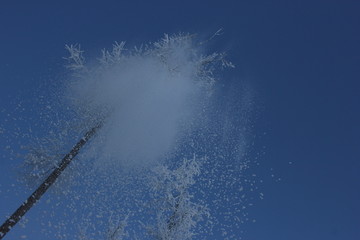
(300, 59)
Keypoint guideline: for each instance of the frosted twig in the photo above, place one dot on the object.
(76, 59)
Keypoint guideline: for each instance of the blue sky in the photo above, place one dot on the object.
(300, 58)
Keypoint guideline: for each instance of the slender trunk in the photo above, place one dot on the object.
(36, 195)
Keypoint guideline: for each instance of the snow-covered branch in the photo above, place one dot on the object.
(176, 215)
(76, 60)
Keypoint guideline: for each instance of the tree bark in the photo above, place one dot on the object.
(36, 195)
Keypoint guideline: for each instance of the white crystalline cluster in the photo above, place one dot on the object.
(177, 215)
(147, 96)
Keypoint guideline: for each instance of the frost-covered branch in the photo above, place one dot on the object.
(76, 59)
(177, 215)
(109, 58)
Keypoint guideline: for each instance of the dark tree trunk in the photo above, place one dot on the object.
(20, 212)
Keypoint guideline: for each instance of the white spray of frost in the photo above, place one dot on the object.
(146, 97)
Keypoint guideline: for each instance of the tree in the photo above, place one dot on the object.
(180, 78)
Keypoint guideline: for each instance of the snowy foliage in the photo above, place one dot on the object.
(176, 214)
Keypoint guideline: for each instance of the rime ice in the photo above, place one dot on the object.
(148, 96)
(164, 164)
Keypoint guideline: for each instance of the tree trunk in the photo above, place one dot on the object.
(21, 211)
